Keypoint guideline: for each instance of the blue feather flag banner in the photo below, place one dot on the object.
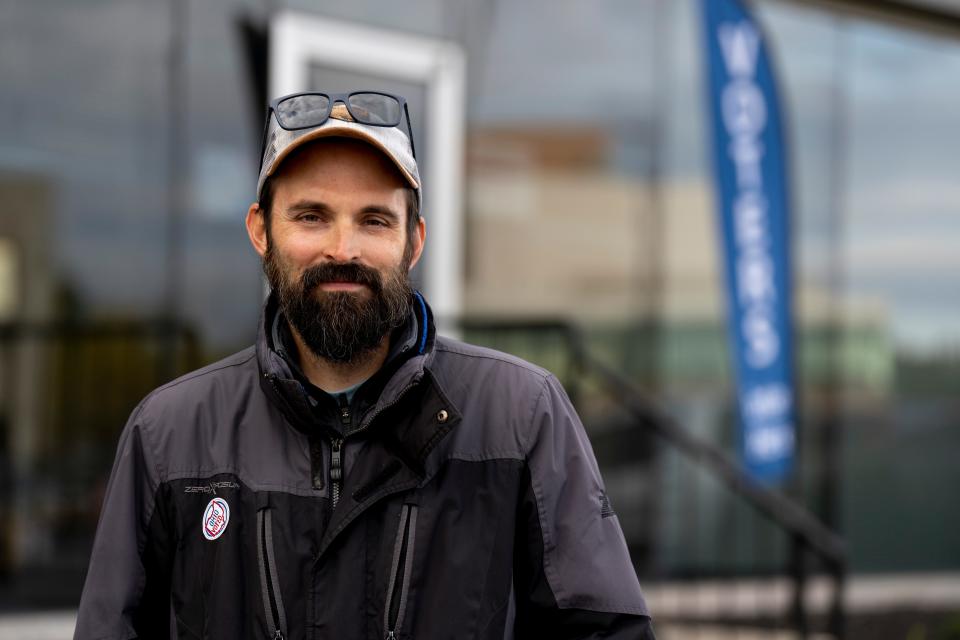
(752, 206)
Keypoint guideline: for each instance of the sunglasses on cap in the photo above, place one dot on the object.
(312, 108)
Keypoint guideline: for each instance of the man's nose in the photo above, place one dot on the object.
(343, 245)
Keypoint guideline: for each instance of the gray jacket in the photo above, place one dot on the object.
(457, 496)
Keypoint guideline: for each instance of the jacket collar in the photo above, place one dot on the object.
(410, 353)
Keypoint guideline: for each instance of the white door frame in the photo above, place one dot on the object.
(299, 39)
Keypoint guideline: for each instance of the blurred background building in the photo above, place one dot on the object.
(571, 188)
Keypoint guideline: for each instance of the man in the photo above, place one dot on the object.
(354, 475)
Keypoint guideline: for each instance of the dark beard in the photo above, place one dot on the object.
(339, 326)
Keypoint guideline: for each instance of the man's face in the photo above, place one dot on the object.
(337, 251)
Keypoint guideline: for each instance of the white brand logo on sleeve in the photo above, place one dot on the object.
(215, 518)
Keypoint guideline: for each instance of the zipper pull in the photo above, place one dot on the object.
(336, 470)
(390, 635)
(336, 462)
(278, 635)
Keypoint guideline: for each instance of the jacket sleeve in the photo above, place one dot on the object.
(573, 577)
(127, 589)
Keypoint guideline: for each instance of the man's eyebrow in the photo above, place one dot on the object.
(308, 205)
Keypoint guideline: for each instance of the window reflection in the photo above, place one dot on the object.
(587, 199)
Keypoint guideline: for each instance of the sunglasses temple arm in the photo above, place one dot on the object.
(406, 112)
(263, 138)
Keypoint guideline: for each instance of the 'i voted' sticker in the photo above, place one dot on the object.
(215, 518)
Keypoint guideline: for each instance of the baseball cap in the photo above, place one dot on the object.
(391, 141)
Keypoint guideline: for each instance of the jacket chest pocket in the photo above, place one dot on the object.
(401, 566)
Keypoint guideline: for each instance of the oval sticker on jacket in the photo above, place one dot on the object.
(215, 518)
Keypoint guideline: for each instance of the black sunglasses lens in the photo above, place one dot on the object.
(302, 111)
(375, 108)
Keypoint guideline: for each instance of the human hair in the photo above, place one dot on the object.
(410, 195)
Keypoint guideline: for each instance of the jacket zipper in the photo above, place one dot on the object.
(269, 584)
(336, 469)
(336, 444)
(400, 572)
(336, 453)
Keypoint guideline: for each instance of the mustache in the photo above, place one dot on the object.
(313, 276)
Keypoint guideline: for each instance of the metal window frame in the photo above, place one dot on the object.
(918, 16)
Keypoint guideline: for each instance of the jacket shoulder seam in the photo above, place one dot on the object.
(154, 457)
(549, 545)
(533, 416)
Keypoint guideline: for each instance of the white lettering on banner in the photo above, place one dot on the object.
(740, 44)
(762, 340)
(749, 214)
(767, 401)
(744, 109)
(745, 117)
(755, 272)
(770, 443)
(747, 153)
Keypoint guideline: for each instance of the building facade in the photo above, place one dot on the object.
(580, 193)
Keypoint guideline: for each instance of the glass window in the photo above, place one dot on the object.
(902, 293)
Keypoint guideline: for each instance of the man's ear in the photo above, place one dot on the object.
(419, 237)
(257, 228)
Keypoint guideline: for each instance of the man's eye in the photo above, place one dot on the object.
(310, 217)
(376, 222)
